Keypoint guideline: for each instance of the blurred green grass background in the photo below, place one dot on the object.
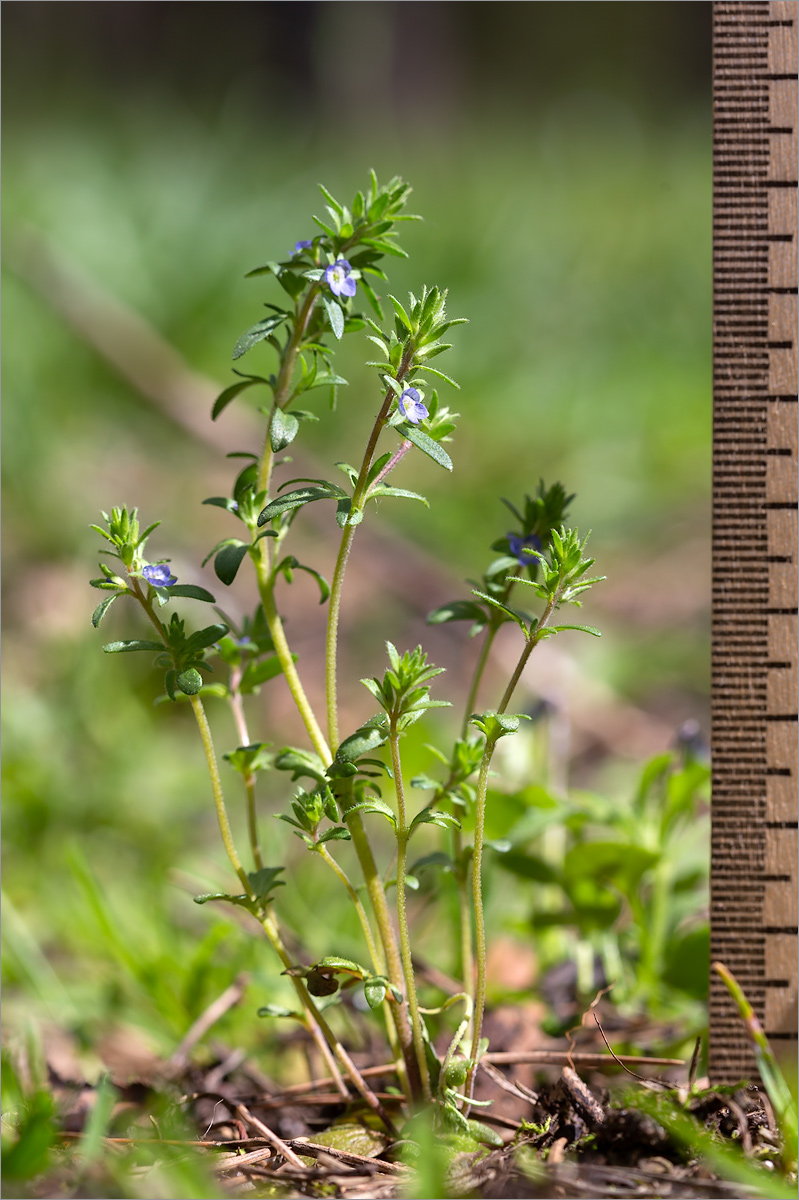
(560, 156)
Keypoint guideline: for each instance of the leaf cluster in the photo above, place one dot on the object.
(415, 338)
(262, 886)
(310, 809)
(563, 581)
(403, 692)
(538, 519)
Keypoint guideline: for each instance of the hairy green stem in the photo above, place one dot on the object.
(464, 908)
(462, 869)
(236, 701)
(216, 787)
(331, 641)
(377, 899)
(479, 829)
(377, 960)
(402, 917)
(479, 916)
(275, 625)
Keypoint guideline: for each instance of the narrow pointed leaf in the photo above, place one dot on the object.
(253, 335)
(191, 591)
(102, 609)
(283, 429)
(228, 561)
(224, 398)
(335, 316)
(426, 444)
(135, 644)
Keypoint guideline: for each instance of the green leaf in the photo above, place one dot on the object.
(277, 1010)
(283, 429)
(425, 783)
(253, 335)
(441, 375)
(297, 499)
(134, 644)
(385, 247)
(333, 963)
(335, 316)
(264, 881)
(372, 297)
(431, 816)
(337, 834)
(436, 859)
(204, 637)
(522, 619)
(249, 759)
(528, 866)
(375, 992)
(102, 609)
(256, 673)
(331, 199)
(235, 389)
(401, 313)
(290, 564)
(302, 764)
(229, 559)
(189, 681)
(578, 628)
(292, 283)
(383, 490)
(373, 805)
(457, 610)
(364, 740)
(191, 592)
(496, 725)
(328, 229)
(426, 444)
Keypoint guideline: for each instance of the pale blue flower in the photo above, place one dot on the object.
(338, 277)
(159, 575)
(300, 246)
(412, 406)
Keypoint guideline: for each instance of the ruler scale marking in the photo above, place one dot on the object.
(754, 654)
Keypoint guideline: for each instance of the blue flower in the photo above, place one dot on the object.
(338, 277)
(520, 547)
(159, 575)
(412, 407)
(300, 246)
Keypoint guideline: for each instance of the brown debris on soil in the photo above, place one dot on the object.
(566, 1138)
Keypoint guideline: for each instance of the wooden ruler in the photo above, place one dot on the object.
(754, 657)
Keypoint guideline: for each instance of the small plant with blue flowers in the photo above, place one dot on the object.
(343, 779)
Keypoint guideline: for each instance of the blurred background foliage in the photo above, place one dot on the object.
(153, 153)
